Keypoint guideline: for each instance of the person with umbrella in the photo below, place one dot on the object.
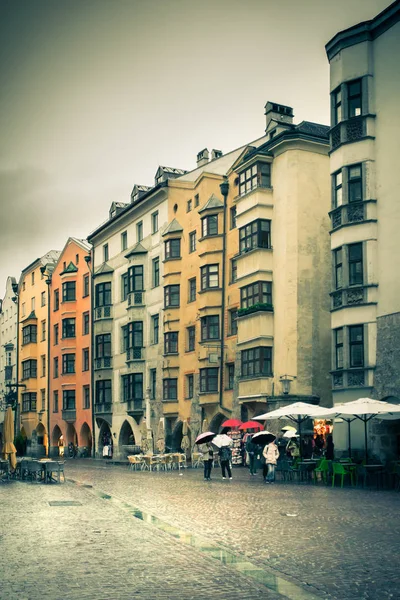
(208, 452)
(252, 451)
(225, 454)
(271, 455)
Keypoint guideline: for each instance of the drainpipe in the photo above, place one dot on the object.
(90, 260)
(224, 187)
(48, 282)
(17, 410)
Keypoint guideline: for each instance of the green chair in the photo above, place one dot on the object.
(339, 469)
(323, 469)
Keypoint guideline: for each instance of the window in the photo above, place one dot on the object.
(209, 225)
(170, 389)
(56, 328)
(355, 264)
(33, 301)
(155, 325)
(339, 348)
(153, 383)
(354, 98)
(196, 200)
(132, 387)
(337, 106)
(124, 240)
(258, 175)
(173, 248)
(33, 278)
(156, 272)
(356, 338)
(209, 380)
(103, 345)
(29, 369)
(209, 276)
(55, 368)
(338, 191)
(209, 328)
(355, 183)
(135, 279)
(338, 268)
(69, 291)
(233, 217)
(43, 365)
(103, 294)
(124, 287)
(189, 386)
(256, 293)
(86, 321)
(255, 235)
(103, 391)
(230, 380)
(29, 402)
(29, 334)
(43, 299)
(133, 335)
(43, 399)
(68, 363)
(192, 241)
(68, 328)
(233, 270)
(188, 206)
(191, 338)
(257, 362)
(56, 299)
(105, 253)
(85, 286)
(85, 359)
(154, 222)
(23, 309)
(55, 402)
(139, 231)
(233, 314)
(43, 324)
(69, 400)
(85, 397)
(171, 342)
(192, 290)
(77, 259)
(171, 296)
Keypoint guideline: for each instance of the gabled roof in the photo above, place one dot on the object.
(173, 227)
(31, 316)
(82, 243)
(137, 249)
(212, 202)
(315, 129)
(171, 170)
(104, 269)
(70, 269)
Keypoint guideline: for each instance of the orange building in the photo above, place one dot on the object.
(69, 356)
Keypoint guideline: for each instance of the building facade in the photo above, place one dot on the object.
(69, 363)
(365, 219)
(8, 342)
(33, 353)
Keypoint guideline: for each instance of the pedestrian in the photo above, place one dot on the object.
(330, 448)
(271, 455)
(225, 454)
(251, 450)
(208, 461)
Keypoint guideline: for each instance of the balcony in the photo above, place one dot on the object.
(351, 296)
(103, 408)
(103, 363)
(135, 353)
(351, 378)
(348, 213)
(69, 415)
(135, 299)
(170, 407)
(103, 312)
(208, 398)
(260, 306)
(349, 131)
(135, 407)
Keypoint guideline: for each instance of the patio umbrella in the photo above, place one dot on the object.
(205, 437)
(232, 423)
(222, 440)
(205, 426)
(9, 449)
(298, 412)
(185, 443)
(251, 425)
(366, 409)
(160, 436)
(263, 438)
(144, 441)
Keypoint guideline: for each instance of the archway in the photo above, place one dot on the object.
(42, 440)
(57, 441)
(216, 422)
(127, 442)
(21, 442)
(71, 435)
(105, 441)
(176, 437)
(85, 445)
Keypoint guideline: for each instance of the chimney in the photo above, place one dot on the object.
(277, 112)
(215, 154)
(202, 157)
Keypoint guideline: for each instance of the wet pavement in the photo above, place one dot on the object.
(172, 535)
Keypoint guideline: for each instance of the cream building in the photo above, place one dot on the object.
(365, 219)
(8, 341)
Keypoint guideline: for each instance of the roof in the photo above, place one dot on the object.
(315, 129)
(104, 269)
(212, 202)
(137, 249)
(172, 170)
(70, 269)
(82, 243)
(141, 188)
(173, 227)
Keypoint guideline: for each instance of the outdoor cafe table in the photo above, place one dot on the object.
(306, 467)
(48, 468)
(376, 470)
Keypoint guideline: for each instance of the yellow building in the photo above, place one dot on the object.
(33, 353)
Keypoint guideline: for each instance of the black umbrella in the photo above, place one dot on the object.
(205, 437)
(263, 438)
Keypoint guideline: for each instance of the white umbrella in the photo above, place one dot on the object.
(222, 440)
(290, 434)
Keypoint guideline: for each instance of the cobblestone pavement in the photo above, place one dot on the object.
(344, 543)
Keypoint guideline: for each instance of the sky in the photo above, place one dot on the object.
(96, 94)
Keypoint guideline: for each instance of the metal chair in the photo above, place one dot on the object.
(197, 460)
(34, 470)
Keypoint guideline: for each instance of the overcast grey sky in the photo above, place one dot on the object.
(95, 94)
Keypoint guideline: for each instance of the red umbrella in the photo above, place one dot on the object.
(232, 423)
(251, 425)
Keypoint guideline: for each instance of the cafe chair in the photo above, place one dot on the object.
(34, 470)
(197, 459)
(323, 470)
(339, 469)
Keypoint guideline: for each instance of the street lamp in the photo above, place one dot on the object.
(286, 381)
(224, 187)
(90, 265)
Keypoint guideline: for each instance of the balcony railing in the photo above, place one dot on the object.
(260, 306)
(348, 297)
(103, 363)
(352, 130)
(134, 353)
(348, 378)
(102, 408)
(135, 405)
(103, 312)
(135, 299)
(69, 415)
(348, 213)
